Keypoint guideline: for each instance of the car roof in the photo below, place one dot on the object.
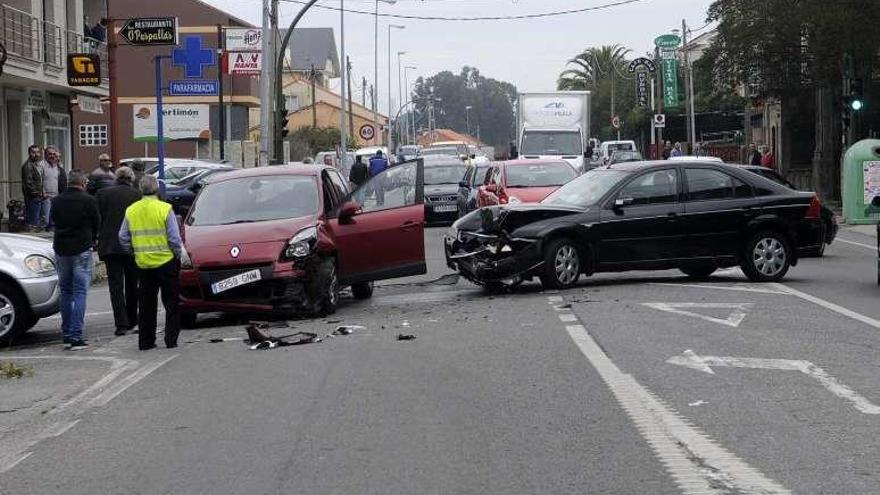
(530, 161)
(442, 161)
(312, 170)
(684, 158)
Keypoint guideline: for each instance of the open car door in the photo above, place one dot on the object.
(379, 228)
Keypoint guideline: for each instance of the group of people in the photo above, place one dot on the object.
(670, 150)
(361, 172)
(764, 157)
(135, 234)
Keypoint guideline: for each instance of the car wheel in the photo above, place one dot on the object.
(363, 290)
(767, 257)
(324, 288)
(15, 315)
(562, 264)
(188, 319)
(698, 272)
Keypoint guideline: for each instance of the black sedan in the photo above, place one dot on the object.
(693, 216)
(182, 192)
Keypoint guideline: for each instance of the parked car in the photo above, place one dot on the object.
(28, 284)
(625, 156)
(442, 178)
(182, 192)
(829, 219)
(469, 187)
(607, 148)
(696, 217)
(408, 152)
(285, 239)
(451, 151)
(523, 181)
(175, 168)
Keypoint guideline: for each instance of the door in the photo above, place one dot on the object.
(646, 227)
(464, 190)
(717, 209)
(385, 238)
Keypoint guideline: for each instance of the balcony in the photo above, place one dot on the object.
(38, 42)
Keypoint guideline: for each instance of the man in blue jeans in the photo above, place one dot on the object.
(77, 222)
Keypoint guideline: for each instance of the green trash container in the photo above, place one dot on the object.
(861, 182)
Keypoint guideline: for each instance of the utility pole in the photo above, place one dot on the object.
(276, 148)
(343, 145)
(222, 112)
(689, 81)
(312, 75)
(350, 111)
(390, 111)
(399, 93)
(265, 88)
(112, 44)
(364, 91)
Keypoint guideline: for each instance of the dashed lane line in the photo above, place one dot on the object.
(853, 243)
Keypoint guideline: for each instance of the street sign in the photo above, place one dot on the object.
(615, 122)
(193, 57)
(367, 132)
(642, 63)
(83, 69)
(89, 104)
(659, 120)
(194, 87)
(244, 63)
(244, 39)
(670, 82)
(150, 31)
(642, 89)
(667, 41)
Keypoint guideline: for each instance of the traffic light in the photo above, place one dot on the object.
(856, 97)
(283, 118)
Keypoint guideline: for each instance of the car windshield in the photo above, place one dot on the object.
(539, 174)
(587, 189)
(441, 150)
(256, 199)
(551, 143)
(445, 174)
(188, 178)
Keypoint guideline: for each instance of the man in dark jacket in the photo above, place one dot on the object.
(32, 186)
(102, 176)
(121, 270)
(358, 174)
(754, 155)
(76, 218)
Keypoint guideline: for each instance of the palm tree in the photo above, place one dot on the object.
(593, 64)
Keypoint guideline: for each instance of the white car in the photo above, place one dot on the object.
(28, 284)
(175, 168)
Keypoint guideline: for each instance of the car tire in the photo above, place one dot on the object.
(562, 264)
(188, 319)
(766, 257)
(323, 288)
(699, 272)
(15, 315)
(363, 290)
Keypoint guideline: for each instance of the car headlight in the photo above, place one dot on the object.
(302, 244)
(39, 264)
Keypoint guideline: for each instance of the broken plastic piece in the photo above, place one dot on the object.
(347, 329)
(406, 336)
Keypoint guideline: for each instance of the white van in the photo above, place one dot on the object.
(608, 148)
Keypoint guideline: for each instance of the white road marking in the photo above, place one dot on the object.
(125, 383)
(736, 316)
(697, 403)
(567, 318)
(555, 299)
(830, 305)
(859, 244)
(690, 359)
(733, 287)
(697, 463)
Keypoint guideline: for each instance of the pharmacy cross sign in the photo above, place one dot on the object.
(193, 57)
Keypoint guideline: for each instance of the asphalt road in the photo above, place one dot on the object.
(629, 383)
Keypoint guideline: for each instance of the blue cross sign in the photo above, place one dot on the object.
(193, 57)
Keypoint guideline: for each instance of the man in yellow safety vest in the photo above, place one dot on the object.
(150, 231)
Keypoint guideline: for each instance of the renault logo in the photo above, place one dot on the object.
(235, 251)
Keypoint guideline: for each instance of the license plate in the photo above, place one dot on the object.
(444, 208)
(233, 282)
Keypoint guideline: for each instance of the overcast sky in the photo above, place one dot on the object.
(528, 53)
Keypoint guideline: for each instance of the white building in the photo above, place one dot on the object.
(35, 99)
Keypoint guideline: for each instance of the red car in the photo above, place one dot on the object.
(523, 181)
(285, 239)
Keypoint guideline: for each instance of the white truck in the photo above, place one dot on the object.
(554, 125)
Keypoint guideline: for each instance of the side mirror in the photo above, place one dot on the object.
(619, 203)
(197, 187)
(348, 210)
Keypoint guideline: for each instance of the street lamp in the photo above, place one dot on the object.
(467, 116)
(376, 65)
(343, 145)
(395, 26)
(409, 117)
(399, 88)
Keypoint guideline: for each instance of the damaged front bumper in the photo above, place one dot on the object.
(487, 258)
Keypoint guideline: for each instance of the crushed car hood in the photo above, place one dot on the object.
(511, 217)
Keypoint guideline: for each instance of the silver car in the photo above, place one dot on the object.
(28, 284)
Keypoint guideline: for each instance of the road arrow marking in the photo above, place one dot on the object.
(737, 315)
(690, 359)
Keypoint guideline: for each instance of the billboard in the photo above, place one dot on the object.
(244, 39)
(179, 121)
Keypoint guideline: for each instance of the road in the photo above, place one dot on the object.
(629, 383)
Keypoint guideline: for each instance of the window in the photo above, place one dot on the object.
(93, 135)
(706, 185)
(393, 188)
(652, 188)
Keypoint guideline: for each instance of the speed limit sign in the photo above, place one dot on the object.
(367, 132)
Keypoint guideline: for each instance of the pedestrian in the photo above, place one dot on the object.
(767, 158)
(676, 151)
(667, 150)
(54, 183)
(378, 164)
(122, 273)
(699, 150)
(754, 155)
(151, 233)
(77, 220)
(102, 176)
(359, 173)
(32, 186)
(138, 167)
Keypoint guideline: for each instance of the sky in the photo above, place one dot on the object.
(528, 53)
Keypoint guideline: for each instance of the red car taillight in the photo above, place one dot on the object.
(815, 209)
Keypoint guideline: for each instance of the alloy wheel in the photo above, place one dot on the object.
(7, 315)
(769, 256)
(567, 264)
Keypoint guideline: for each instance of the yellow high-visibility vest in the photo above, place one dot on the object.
(146, 221)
